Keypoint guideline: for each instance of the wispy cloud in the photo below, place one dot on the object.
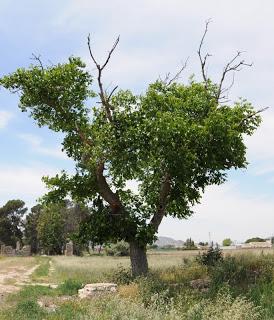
(36, 144)
(5, 117)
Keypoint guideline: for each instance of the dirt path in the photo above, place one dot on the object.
(11, 276)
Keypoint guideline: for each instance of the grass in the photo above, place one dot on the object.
(42, 272)
(165, 294)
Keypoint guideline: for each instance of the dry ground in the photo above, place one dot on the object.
(14, 270)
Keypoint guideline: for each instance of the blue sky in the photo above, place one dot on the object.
(156, 37)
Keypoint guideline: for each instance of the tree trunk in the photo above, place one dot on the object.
(138, 259)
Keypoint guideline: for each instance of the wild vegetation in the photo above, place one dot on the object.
(241, 288)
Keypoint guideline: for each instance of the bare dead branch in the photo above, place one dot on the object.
(177, 75)
(111, 93)
(232, 66)
(38, 59)
(111, 51)
(203, 59)
(105, 98)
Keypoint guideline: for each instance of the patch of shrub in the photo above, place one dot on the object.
(211, 257)
(28, 310)
(242, 272)
(262, 294)
(69, 287)
(224, 307)
(183, 274)
(121, 275)
(118, 249)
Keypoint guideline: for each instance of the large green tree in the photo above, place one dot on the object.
(11, 216)
(51, 226)
(50, 229)
(30, 228)
(174, 140)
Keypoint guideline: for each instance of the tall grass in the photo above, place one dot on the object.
(241, 289)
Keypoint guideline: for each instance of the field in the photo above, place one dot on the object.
(241, 287)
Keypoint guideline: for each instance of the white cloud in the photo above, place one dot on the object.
(23, 182)
(36, 144)
(5, 117)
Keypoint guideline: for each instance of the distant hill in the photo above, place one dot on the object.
(166, 241)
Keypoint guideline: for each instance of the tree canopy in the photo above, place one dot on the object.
(11, 215)
(227, 242)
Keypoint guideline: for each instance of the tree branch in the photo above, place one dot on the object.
(107, 194)
(163, 197)
(38, 59)
(203, 60)
(177, 75)
(105, 98)
(232, 66)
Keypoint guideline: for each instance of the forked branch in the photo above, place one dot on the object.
(104, 96)
(232, 66)
(203, 59)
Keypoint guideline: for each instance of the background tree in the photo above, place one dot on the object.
(31, 228)
(50, 229)
(174, 140)
(227, 242)
(255, 239)
(190, 245)
(11, 215)
(53, 225)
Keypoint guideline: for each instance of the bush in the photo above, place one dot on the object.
(119, 249)
(224, 307)
(121, 275)
(211, 257)
(69, 287)
(28, 310)
(242, 272)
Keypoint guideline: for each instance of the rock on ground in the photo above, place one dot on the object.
(93, 289)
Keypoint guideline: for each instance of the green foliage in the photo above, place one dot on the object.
(256, 239)
(242, 272)
(119, 249)
(176, 130)
(30, 228)
(28, 310)
(11, 215)
(227, 242)
(224, 307)
(121, 275)
(51, 229)
(262, 294)
(57, 223)
(211, 257)
(69, 287)
(190, 245)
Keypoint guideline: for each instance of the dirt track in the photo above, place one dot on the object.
(11, 276)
